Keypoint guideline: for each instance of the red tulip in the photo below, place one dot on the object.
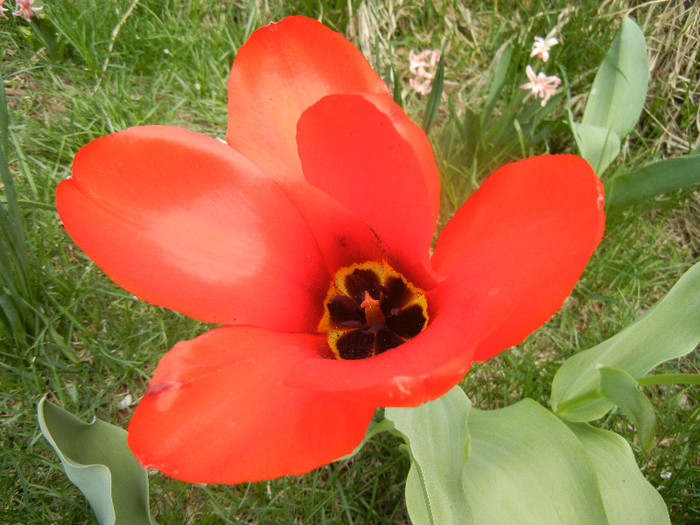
(308, 237)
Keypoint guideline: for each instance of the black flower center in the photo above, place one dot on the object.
(369, 309)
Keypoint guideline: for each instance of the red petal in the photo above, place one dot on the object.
(183, 221)
(512, 254)
(281, 70)
(420, 370)
(217, 411)
(522, 239)
(353, 151)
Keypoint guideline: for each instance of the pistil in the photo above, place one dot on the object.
(371, 308)
(373, 311)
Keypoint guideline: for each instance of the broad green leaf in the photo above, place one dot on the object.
(670, 329)
(628, 497)
(437, 437)
(623, 390)
(527, 467)
(599, 146)
(97, 459)
(620, 86)
(652, 180)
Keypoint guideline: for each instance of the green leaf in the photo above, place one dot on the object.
(599, 146)
(16, 293)
(438, 440)
(623, 390)
(670, 329)
(652, 180)
(628, 497)
(499, 72)
(97, 459)
(620, 86)
(4, 118)
(527, 467)
(433, 103)
(396, 95)
(670, 379)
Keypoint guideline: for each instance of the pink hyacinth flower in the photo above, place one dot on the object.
(422, 66)
(26, 9)
(541, 47)
(541, 85)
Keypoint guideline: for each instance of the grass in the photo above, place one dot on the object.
(167, 63)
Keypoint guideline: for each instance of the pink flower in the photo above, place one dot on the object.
(422, 66)
(541, 85)
(421, 62)
(421, 86)
(26, 9)
(3, 9)
(541, 47)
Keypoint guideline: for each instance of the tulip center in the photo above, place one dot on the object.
(369, 309)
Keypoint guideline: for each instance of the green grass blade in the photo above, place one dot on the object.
(435, 95)
(14, 261)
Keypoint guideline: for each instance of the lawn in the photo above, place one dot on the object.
(82, 69)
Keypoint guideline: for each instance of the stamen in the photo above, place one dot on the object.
(369, 309)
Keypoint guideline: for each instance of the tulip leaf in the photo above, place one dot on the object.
(652, 180)
(627, 496)
(670, 379)
(437, 438)
(598, 145)
(527, 467)
(98, 461)
(620, 86)
(623, 390)
(670, 329)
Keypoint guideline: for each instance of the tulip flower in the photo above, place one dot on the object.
(308, 237)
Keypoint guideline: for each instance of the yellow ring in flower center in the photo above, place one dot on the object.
(369, 309)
